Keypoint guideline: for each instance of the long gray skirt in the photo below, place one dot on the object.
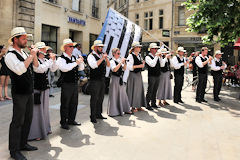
(40, 126)
(165, 87)
(118, 100)
(135, 90)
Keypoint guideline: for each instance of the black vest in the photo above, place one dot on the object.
(72, 75)
(154, 71)
(179, 71)
(219, 64)
(136, 62)
(204, 69)
(22, 84)
(166, 67)
(119, 72)
(41, 80)
(99, 72)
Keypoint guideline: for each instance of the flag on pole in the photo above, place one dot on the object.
(118, 32)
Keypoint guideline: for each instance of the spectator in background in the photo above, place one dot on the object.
(51, 75)
(77, 52)
(4, 75)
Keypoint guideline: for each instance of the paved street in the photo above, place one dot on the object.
(191, 131)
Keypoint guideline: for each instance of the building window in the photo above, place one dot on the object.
(77, 5)
(49, 36)
(52, 1)
(137, 1)
(137, 18)
(148, 20)
(95, 8)
(181, 16)
(160, 19)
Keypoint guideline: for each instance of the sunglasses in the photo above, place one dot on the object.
(70, 46)
(118, 53)
(100, 47)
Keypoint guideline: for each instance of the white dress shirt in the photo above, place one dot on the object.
(77, 53)
(65, 67)
(13, 63)
(175, 62)
(213, 65)
(152, 62)
(45, 65)
(163, 61)
(113, 64)
(199, 62)
(130, 61)
(92, 60)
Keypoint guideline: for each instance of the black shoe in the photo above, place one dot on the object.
(198, 101)
(17, 155)
(217, 100)
(51, 95)
(28, 147)
(100, 117)
(180, 101)
(175, 102)
(203, 100)
(155, 106)
(93, 120)
(149, 108)
(65, 126)
(74, 123)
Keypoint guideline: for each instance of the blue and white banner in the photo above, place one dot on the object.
(118, 32)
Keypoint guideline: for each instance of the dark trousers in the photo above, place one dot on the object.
(69, 102)
(194, 75)
(153, 82)
(97, 90)
(202, 83)
(178, 80)
(217, 79)
(21, 121)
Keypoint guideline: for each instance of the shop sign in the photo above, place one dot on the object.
(77, 21)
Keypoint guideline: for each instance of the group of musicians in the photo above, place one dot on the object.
(30, 85)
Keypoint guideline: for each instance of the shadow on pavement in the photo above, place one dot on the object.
(75, 138)
(144, 116)
(195, 108)
(165, 114)
(125, 120)
(174, 109)
(44, 152)
(105, 129)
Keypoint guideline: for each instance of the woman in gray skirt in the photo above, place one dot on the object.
(118, 100)
(165, 87)
(135, 90)
(40, 126)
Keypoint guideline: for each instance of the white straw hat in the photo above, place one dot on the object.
(181, 49)
(66, 42)
(18, 31)
(163, 50)
(40, 45)
(153, 45)
(135, 44)
(97, 43)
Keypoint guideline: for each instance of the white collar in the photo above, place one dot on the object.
(151, 54)
(202, 56)
(216, 59)
(13, 49)
(66, 55)
(93, 52)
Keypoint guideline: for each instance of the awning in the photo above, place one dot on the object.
(237, 44)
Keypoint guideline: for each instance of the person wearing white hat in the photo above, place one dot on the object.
(217, 67)
(69, 66)
(153, 65)
(40, 126)
(97, 61)
(179, 63)
(19, 64)
(202, 63)
(135, 90)
(165, 87)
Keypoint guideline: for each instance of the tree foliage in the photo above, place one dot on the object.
(220, 19)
